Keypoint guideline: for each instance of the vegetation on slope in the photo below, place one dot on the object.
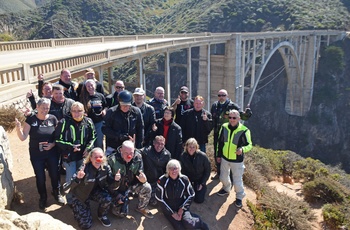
(105, 17)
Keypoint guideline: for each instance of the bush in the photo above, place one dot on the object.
(283, 212)
(334, 216)
(7, 117)
(325, 189)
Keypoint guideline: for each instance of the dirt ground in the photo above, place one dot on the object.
(218, 212)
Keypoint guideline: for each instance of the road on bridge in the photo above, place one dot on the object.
(11, 58)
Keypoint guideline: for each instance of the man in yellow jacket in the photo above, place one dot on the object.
(233, 142)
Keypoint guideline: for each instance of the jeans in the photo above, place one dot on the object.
(39, 164)
(99, 135)
(237, 169)
(71, 168)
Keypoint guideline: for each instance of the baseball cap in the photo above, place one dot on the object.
(184, 89)
(139, 91)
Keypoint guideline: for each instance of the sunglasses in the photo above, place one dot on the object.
(119, 87)
(221, 95)
(234, 118)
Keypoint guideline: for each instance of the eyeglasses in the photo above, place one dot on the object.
(173, 168)
(221, 95)
(77, 111)
(119, 87)
(234, 118)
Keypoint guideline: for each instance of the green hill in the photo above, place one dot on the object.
(81, 18)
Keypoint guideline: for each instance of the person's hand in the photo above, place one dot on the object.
(76, 148)
(117, 176)
(200, 187)
(178, 100)
(154, 127)
(142, 177)
(176, 216)
(239, 151)
(180, 212)
(30, 93)
(81, 173)
(218, 160)
(48, 146)
(85, 153)
(204, 116)
(18, 123)
(40, 77)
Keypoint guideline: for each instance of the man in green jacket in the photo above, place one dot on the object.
(234, 140)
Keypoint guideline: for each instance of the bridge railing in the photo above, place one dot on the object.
(50, 43)
(27, 72)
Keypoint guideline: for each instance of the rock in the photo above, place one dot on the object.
(11, 220)
(6, 180)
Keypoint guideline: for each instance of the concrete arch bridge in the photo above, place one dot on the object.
(234, 61)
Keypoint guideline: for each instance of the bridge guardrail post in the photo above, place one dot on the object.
(26, 72)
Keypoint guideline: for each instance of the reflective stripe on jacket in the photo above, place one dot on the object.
(231, 140)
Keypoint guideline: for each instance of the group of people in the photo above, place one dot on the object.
(151, 149)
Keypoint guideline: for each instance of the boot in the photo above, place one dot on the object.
(58, 197)
(43, 202)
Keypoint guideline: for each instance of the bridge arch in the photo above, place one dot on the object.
(293, 72)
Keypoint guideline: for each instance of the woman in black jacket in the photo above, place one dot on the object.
(171, 131)
(196, 165)
(94, 180)
(175, 192)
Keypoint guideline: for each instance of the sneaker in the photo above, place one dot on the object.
(222, 192)
(238, 203)
(145, 212)
(58, 197)
(105, 221)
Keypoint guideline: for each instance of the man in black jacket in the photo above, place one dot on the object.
(148, 114)
(155, 157)
(112, 99)
(197, 123)
(123, 122)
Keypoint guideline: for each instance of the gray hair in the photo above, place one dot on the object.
(42, 101)
(173, 163)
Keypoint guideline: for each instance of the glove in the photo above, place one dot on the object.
(248, 112)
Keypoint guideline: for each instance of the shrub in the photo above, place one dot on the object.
(334, 216)
(285, 212)
(326, 190)
(7, 117)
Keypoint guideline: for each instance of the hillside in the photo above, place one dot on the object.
(12, 6)
(80, 18)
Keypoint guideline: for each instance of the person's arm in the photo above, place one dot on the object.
(92, 137)
(220, 144)
(22, 133)
(40, 85)
(139, 130)
(207, 170)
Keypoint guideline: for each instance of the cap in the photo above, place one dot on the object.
(184, 89)
(89, 70)
(139, 91)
